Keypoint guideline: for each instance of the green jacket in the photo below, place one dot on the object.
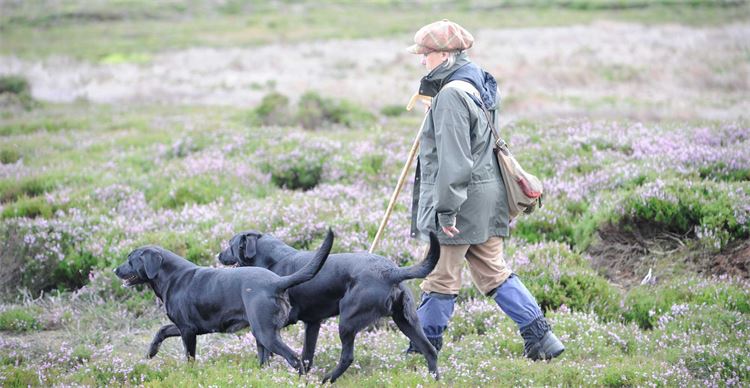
(458, 179)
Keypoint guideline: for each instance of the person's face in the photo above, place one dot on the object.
(433, 59)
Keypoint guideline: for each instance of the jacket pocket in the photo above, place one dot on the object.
(426, 220)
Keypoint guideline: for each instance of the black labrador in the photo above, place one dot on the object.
(201, 300)
(360, 287)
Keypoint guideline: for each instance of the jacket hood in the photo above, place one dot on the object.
(482, 80)
(465, 70)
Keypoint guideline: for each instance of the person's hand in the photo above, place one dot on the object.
(450, 231)
(427, 104)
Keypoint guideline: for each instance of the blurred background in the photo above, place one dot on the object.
(612, 58)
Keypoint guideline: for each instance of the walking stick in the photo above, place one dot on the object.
(401, 179)
(396, 192)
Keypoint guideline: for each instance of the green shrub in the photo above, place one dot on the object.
(73, 272)
(545, 226)
(312, 111)
(297, 165)
(580, 290)
(298, 176)
(315, 111)
(16, 88)
(585, 228)
(14, 84)
(711, 211)
(30, 264)
(273, 110)
(393, 110)
(9, 155)
(351, 115)
(558, 220)
(30, 208)
(544, 256)
(18, 320)
(11, 189)
(196, 190)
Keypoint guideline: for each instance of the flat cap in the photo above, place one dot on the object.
(443, 35)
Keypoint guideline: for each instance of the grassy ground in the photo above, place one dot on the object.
(116, 178)
(82, 184)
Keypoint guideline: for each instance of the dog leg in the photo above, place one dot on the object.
(188, 341)
(350, 323)
(311, 339)
(263, 353)
(165, 332)
(409, 325)
(269, 338)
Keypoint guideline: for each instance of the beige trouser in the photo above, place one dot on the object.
(486, 265)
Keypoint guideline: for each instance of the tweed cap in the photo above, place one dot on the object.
(443, 35)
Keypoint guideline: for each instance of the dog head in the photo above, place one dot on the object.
(143, 265)
(241, 250)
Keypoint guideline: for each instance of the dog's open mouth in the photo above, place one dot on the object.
(130, 281)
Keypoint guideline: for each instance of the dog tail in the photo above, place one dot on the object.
(311, 268)
(420, 270)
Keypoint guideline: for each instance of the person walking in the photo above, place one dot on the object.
(459, 192)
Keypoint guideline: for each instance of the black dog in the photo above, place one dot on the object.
(360, 287)
(202, 300)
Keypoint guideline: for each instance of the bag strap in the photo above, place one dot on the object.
(469, 88)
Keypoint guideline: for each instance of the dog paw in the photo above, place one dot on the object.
(329, 378)
(152, 352)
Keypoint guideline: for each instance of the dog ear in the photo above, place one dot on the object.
(250, 240)
(152, 260)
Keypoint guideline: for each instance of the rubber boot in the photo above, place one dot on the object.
(518, 303)
(540, 343)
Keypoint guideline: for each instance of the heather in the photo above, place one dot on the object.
(204, 184)
(642, 149)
